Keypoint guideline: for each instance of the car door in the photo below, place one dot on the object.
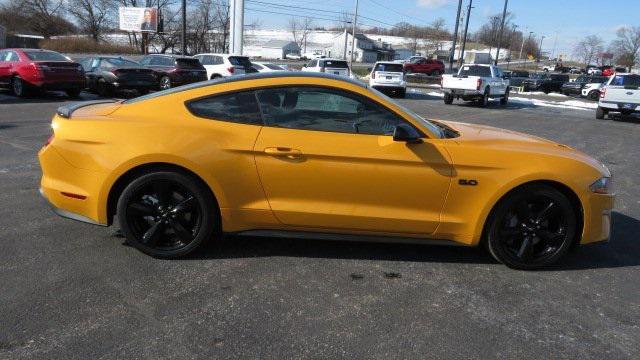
(327, 160)
(5, 69)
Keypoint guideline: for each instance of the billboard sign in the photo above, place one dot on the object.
(138, 19)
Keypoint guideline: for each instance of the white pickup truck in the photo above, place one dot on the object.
(620, 94)
(476, 83)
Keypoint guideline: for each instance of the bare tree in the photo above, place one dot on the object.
(300, 30)
(45, 16)
(92, 16)
(627, 46)
(588, 48)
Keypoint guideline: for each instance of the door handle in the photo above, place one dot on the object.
(289, 153)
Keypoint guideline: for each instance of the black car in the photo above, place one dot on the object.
(175, 70)
(516, 77)
(575, 87)
(545, 82)
(107, 74)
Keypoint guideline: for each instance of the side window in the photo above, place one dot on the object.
(85, 64)
(168, 61)
(240, 107)
(95, 62)
(3, 54)
(312, 63)
(12, 56)
(217, 60)
(145, 61)
(322, 109)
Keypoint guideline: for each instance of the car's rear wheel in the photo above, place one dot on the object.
(600, 113)
(18, 87)
(505, 98)
(448, 99)
(165, 83)
(73, 93)
(532, 227)
(167, 214)
(594, 95)
(484, 101)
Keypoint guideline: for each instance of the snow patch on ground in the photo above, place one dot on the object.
(571, 104)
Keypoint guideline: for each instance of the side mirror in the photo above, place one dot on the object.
(406, 133)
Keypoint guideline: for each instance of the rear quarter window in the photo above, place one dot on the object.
(239, 107)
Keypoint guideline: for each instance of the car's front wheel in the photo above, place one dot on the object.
(594, 95)
(532, 227)
(18, 87)
(165, 83)
(167, 214)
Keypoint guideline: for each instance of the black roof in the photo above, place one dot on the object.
(253, 76)
(175, 56)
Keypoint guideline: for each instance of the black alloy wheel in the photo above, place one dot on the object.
(165, 83)
(532, 228)
(167, 214)
(18, 87)
(594, 95)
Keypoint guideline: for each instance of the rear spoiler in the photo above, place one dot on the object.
(66, 110)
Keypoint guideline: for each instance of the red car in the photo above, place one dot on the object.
(23, 70)
(424, 66)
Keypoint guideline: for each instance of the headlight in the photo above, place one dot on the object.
(604, 185)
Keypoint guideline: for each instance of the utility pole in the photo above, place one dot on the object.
(455, 36)
(540, 48)
(353, 37)
(236, 28)
(346, 36)
(504, 15)
(464, 39)
(509, 59)
(522, 47)
(184, 27)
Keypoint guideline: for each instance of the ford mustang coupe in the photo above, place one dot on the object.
(318, 156)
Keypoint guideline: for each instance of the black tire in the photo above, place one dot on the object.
(215, 76)
(402, 93)
(515, 228)
(165, 83)
(600, 113)
(73, 93)
(505, 98)
(484, 101)
(594, 95)
(167, 214)
(448, 99)
(18, 87)
(104, 89)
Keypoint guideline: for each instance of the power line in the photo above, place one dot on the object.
(281, 13)
(399, 13)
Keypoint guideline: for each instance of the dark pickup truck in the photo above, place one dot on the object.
(545, 82)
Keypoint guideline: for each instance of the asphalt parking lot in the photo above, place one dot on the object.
(75, 291)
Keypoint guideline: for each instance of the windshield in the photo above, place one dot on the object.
(240, 61)
(121, 62)
(45, 56)
(484, 71)
(626, 80)
(435, 129)
(335, 64)
(389, 67)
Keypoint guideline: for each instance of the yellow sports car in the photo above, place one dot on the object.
(313, 155)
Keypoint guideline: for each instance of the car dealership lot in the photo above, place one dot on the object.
(71, 290)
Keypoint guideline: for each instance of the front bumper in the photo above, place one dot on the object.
(597, 218)
(571, 90)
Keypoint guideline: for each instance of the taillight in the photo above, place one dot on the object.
(322, 69)
(602, 92)
(231, 69)
(49, 140)
(479, 84)
(373, 75)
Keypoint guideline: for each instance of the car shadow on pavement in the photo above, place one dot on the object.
(622, 251)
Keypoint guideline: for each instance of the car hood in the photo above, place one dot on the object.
(501, 139)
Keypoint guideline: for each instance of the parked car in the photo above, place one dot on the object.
(576, 70)
(266, 67)
(329, 66)
(107, 74)
(174, 70)
(295, 154)
(388, 76)
(424, 66)
(575, 87)
(24, 70)
(292, 56)
(592, 90)
(592, 70)
(476, 83)
(545, 82)
(223, 65)
(516, 77)
(620, 94)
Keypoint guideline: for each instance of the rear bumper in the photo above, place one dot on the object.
(618, 106)
(134, 84)
(60, 85)
(72, 192)
(463, 92)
